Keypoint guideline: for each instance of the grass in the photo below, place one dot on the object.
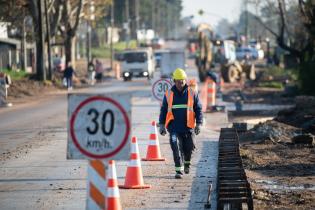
(104, 52)
(271, 84)
(15, 75)
(277, 71)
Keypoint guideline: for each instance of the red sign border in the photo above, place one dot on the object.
(75, 140)
(168, 81)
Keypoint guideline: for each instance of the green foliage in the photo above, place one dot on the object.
(104, 52)
(306, 78)
(271, 84)
(15, 75)
(276, 71)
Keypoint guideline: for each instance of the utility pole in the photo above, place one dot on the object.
(137, 19)
(89, 31)
(111, 35)
(24, 58)
(88, 41)
(246, 20)
(40, 52)
(127, 26)
(153, 15)
(48, 40)
(157, 18)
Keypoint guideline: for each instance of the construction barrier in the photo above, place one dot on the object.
(96, 185)
(134, 178)
(192, 83)
(112, 196)
(153, 151)
(211, 92)
(117, 70)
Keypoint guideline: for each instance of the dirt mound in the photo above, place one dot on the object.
(26, 87)
(274, 131)
(301, 116)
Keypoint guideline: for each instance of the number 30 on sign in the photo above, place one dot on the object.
(159, 88)
(98, 126)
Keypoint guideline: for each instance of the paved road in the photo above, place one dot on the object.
(36, 175)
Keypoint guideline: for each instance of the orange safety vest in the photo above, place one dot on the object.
(191, 121)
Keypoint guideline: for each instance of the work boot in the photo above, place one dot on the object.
(186, 168)
(178, 175)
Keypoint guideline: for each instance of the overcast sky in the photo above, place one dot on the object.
(214, 10)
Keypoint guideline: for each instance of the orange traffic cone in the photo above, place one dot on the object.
(211, 94)
(153, 152)
(113, 198)
(134, 179)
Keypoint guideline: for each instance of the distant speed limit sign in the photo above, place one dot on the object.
(99, 126)
(159, 88)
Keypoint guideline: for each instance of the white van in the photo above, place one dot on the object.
(138, 63)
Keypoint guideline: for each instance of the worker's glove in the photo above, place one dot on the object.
(197, 129)
(162, 130)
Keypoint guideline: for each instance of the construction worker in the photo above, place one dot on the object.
(182, 117)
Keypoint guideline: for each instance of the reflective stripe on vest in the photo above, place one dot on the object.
(189, 106)
(179, 106)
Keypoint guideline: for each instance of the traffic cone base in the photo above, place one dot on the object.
(135, 187)
(113, 204)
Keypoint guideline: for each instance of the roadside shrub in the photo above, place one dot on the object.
(277, 71)
(307, 77)
(15, 75)
(271, 84)
(104, 52)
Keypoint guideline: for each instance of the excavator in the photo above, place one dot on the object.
(210, 51)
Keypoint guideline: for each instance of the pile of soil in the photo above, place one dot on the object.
(27, 88)
(282, 172)
(260, 95)
(301, 116)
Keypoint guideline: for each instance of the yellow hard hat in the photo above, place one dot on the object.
(179, 74)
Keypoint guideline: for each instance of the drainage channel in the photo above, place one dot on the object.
(233, 188)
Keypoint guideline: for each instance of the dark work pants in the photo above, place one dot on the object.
(69, 82)
(182, 145)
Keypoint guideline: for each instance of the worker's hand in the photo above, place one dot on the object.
(162, 130)
(197, 129)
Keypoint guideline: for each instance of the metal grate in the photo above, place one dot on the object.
(233, 187)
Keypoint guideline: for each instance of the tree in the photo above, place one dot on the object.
(296, 34)
(8, 13)
(69, 24)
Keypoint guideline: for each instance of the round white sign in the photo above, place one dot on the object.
(99, 127)
(159, 88)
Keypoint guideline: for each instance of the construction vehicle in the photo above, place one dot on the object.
(231, 69)
(211, 51)
(203, 55)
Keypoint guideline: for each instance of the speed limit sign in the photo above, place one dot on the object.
(159, 88)
(98, 126)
